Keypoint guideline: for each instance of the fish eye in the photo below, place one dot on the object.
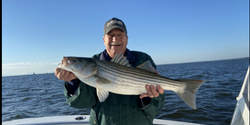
(73, 60)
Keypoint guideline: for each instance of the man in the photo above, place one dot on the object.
(116, 109)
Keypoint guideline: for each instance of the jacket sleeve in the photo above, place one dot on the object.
(84, 97)
(154, 107)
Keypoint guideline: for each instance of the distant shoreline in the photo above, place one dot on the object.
(206, 61)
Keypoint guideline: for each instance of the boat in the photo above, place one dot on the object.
(77, 120)
(240, 116)
(241, 112)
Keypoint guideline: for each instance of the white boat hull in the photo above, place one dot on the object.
(72, 120)
(241, 112)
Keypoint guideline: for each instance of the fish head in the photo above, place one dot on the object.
(79, 65)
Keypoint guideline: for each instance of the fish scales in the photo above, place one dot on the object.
(142, 76)
(133, 76)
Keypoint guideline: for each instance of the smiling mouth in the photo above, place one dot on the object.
(116, 44)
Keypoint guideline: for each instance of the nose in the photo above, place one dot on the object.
(114, 38)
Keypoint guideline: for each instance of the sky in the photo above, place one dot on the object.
(36, 34)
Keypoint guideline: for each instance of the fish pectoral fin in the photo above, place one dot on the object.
(102, 94)
(147, 66)
(101, 80)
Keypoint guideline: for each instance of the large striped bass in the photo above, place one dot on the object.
(119, 77)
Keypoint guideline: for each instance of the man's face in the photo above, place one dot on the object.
(116, 42)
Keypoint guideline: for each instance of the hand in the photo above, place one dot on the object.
(64, 74)
(152, 91)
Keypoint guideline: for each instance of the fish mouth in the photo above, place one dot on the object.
(64, 62)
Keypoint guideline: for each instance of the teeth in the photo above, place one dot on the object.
(115, 44)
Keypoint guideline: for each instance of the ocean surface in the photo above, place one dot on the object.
(39, 95)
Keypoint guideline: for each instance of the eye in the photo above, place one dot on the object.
(120, 35)
(110, 35)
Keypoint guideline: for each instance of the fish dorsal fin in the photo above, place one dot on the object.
(120, 59)
(147, 66)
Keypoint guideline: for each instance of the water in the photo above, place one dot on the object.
(42, 95)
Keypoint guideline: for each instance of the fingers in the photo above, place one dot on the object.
(152, 91)
(159, 89)
(57, 73)
(71, 76)
(144, 95)
(148, 88)
(64, 75)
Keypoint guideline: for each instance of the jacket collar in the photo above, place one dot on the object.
(130, 56)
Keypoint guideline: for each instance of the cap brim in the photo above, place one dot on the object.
(114, 27)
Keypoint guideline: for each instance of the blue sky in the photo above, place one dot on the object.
(36, 34)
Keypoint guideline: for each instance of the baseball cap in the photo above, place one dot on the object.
(114, 23)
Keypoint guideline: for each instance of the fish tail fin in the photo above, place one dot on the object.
(187, 91)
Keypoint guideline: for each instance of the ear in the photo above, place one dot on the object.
(127, 41)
